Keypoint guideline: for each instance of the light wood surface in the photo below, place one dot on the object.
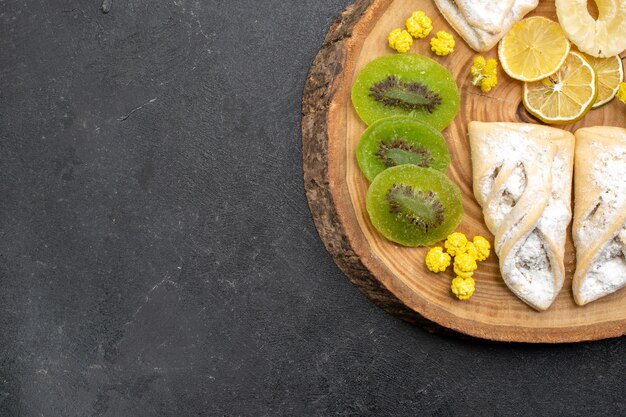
(395, 276)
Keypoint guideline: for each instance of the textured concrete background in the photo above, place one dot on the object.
(157, 255)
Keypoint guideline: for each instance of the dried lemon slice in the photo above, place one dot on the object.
(533, 49)
(601, 37)
(566, 96)
(610, 72)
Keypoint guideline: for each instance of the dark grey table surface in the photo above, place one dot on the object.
(157, 254)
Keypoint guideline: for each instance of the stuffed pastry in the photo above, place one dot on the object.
(486, 15)
(599, 212)
(522, 180)
(481, 35)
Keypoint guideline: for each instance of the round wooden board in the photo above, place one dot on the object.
(395, 277)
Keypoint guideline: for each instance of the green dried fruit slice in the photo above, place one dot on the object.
(406, 85)
(401, 140)
(414, 206)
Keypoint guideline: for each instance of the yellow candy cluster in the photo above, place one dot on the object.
(400, 40)
(466, 254)
(419, 25)
(443, 44)
(621, 93)
(484, 73)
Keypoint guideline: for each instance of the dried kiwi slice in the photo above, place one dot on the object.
(401, 140)
(406, 85)
(414, 206)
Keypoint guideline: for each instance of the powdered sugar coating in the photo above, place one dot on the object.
(608, 272)
(530, 272)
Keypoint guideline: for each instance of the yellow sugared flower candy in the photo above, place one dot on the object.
(482, 248)
(484, 73)
(400, 40)
(463, 288)
(456, 243)
(464, 265)
(443, 44)
(472, 250)
(621, 93)
(419, 25)
(437, 260)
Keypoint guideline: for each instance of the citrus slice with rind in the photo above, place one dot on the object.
(534, 48)
(565, 96)
(610, 72)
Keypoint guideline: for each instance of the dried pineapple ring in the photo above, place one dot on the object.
(600, 38)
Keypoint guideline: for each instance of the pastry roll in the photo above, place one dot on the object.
(599, 212)
(487, 15)
(523, 180)
(482, 27)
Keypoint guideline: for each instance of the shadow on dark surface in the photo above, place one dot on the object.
(158, 256)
